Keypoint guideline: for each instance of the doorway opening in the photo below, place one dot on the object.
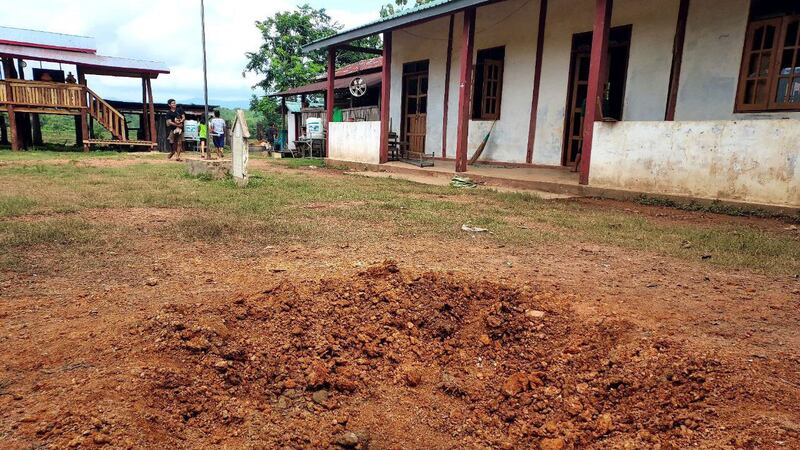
(415, 107)
(614, 93)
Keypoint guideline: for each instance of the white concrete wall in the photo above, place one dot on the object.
(425, 41)
(513, 24)
(355, 141)
(290, 126)
(752, 161)
(712, 59)
(510, 24)
(711, 62)
(649, 65)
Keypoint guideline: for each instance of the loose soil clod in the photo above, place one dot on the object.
(368, 342)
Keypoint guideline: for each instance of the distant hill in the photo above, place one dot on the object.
(230, 104)
(252, 118)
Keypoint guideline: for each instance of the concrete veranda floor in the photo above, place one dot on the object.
(560, 175)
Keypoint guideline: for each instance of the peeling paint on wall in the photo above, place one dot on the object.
(751, 161)
(355, 141)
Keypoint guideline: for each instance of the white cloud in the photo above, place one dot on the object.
(167, 31)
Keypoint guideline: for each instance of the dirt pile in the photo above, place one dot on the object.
(389, 359)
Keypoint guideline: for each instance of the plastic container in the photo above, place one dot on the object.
(314, 128)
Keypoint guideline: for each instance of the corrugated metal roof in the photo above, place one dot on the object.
(45, 39)
(136, 107)
(403, 18)
(296, 107)
(372, 79)
(365, 65)
(89, 62)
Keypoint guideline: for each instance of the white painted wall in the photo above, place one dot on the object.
(711, 62)
(290, 126)
(355, 141)
(712, 59)
(511, 24)
(649, 65)
(425, 41)
(753, 161)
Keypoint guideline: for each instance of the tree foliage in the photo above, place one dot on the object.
(268, 108)
(280, 58)
(398, 6)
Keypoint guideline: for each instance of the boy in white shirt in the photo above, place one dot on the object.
(217, 128)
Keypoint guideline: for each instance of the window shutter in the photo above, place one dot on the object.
(758, 65)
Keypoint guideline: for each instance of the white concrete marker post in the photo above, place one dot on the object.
(240, 149)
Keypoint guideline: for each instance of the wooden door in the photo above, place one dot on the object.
(415, 104)
(613, 96)
(577, 107)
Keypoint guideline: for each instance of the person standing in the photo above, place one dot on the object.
(202, 132)
(218, 132)
(175, 119)
(272, 136)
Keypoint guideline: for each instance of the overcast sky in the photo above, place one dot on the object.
(169, 31)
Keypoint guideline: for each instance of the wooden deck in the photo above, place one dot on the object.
(39, 97)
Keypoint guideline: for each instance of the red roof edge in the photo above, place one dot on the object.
(49, 47)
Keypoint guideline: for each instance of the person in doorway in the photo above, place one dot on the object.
(175, 119)
(272, 136)
(202, 132)
(218, 133)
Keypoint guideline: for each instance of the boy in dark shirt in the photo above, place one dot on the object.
(175, 119)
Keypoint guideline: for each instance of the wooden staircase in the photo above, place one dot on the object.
(113, 121)
(23, 96)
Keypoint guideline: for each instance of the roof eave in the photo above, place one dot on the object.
(394, 23)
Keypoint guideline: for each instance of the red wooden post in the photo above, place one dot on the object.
(446, 107)
(144, 129)
(84, 109)
(386, 91)
(465, 88)
(677, 60)
(12, 117)
(598, 76)
(152, 112)
(329, 97)
(537, 78)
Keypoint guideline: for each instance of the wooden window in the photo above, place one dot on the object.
(770, 74)
(488, 89)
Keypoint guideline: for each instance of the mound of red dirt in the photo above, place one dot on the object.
(390, 359)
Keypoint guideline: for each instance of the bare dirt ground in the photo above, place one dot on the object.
(415, 343)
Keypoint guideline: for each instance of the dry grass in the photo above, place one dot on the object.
(280, 207)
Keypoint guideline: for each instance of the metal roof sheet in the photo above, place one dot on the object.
(44, 39)
(297, 107)
(89, 62)
(432, 10)
(321, 86)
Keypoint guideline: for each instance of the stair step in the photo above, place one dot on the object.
(115, 142)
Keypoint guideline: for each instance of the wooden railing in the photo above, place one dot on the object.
(62, 98)
(111, 119)
(41, 94)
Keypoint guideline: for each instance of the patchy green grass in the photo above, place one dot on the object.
(51, 231)
(714, 207)
(58, 152)
(15, 205)
(301, 207)
(296, 163)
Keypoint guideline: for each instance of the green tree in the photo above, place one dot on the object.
(268, 108)
(398, 6)
(280, 58)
